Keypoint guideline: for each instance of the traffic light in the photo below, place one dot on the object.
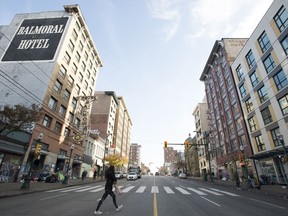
(165, 144)
(187, 144)
(38, 149)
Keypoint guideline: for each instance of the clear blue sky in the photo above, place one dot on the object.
(153, 54)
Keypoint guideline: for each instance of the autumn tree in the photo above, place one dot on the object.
(116, 159)
(13, 118)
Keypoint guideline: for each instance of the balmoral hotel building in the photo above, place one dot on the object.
(260, 72)
(50, 59)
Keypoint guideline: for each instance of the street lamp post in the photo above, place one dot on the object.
(245, 164)
(27, 178)
(68, 166)
(280, 138)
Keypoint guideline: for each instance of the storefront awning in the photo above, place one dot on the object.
(269, 154)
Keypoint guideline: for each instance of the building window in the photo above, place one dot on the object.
(242, 90)
(85, 85)
(70, 81)
(249, 105)
(52, 103)
(77, 122)
(85, 55)
(66, 95)
(263, 95)
(281, 19)
(284, 44)
(250, 59)
(67, 58)
(67, 132)
(80, 77)
(70, 117)
(47, 121)
(62, 111)
(266, 116)
(77, 90)
(260, 143)
(283, 103)
(77, 56)
(74, 103)
(58, 127)
(252, 124)
(280, 80)
(71, 46)
(240, 72)
(58, 86)
(74, 68)
(74, 34)
(92, 81)
(275, 139)
(254, 79)
(264, 42)
(269, 63)
(62, 71)
(81, 46)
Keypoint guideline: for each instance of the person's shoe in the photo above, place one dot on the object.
(119, 207)
(97, 212)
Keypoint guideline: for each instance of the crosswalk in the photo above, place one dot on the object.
(150, 189)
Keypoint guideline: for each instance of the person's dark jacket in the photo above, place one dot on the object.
(110, 180)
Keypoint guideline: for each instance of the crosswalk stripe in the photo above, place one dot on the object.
(168, 190)
(141, 189)
(60, 189)
(98, 189)
(73, 189)
(182, 190)
(154, 189)
(197, 191)
(212, 192)
(86, 189)
(127, 189)
(225, 192)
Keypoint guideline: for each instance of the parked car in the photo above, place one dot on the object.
(182, 176)
(132, 176)
(156, 173)
(119, 174)
(124, 175)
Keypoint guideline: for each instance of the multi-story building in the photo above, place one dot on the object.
(227, 133)
(49, 59)
(169, 158)
(122, 130)
(201, 119)
(135, 155)
(260, 73)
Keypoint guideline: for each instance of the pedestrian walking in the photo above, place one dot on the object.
(237, 180)
(110, 182)
(84, 174)
(94, 174)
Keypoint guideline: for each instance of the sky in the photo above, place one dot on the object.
(153, 54)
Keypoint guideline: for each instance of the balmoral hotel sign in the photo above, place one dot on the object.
(36, 39)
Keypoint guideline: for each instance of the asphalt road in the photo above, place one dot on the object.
(149, 196)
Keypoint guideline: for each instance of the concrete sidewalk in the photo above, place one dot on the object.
(14, 189)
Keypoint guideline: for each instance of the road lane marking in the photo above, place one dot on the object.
(212, 192)
(61, 189)
(210, 201)
(197, 191)
(98, 189)
(182, 190)
(53, 196)
(168, 190)
(225, 192)
(89, 188)
(73, 189)
(141, 189)
(155, 202)
(266, 203)
(127, 189)
(154, 189)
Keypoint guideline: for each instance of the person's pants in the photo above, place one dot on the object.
(111, 193)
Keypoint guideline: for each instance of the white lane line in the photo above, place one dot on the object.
(266, 203)
(211, 201)
(212, 192)
(197, 191)
(53, 196)
(141, 189)
(89, 188)
(127, 189)
(154, 189)
(225, 192)
(182, 190)
(73, 189)
(98, 189)
(168, 190)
